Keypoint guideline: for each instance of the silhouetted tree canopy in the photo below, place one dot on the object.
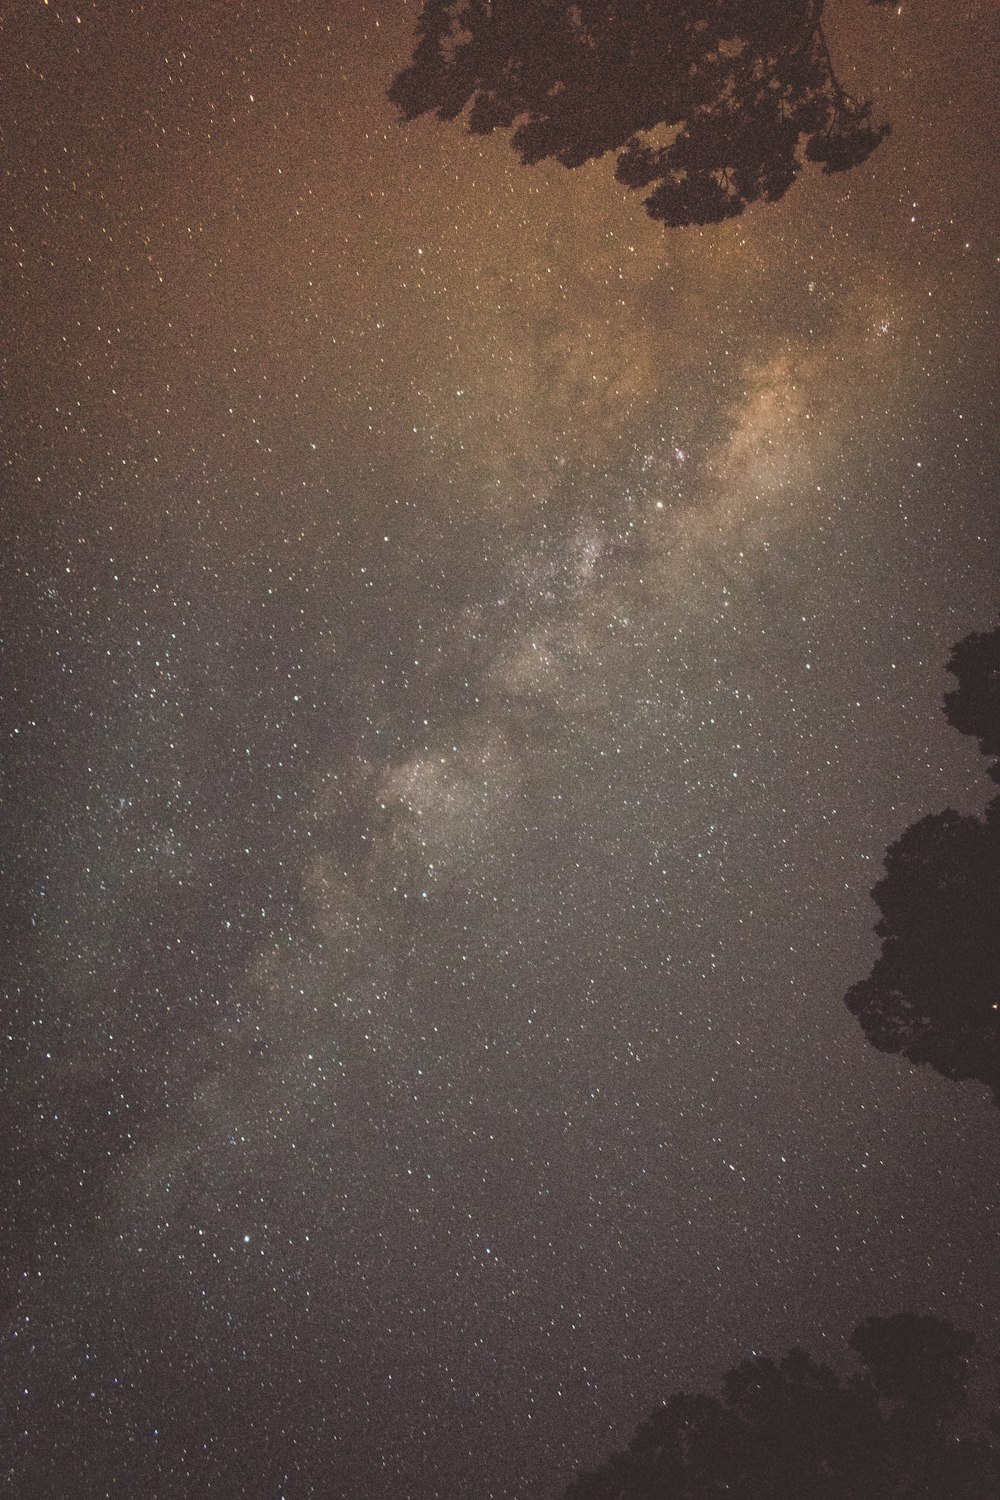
(974, 707)
(934, 991)
(710, 104)
(792, 1429)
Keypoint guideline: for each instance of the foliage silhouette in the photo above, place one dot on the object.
(794, 1430)
(710, 104)
(934, 991)
(974, 707)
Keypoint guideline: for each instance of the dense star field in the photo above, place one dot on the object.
(468, 645)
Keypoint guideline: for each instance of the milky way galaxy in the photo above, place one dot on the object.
(468, 648)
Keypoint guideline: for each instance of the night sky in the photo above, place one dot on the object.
(466, 650)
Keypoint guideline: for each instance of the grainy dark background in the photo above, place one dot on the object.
(466, 650)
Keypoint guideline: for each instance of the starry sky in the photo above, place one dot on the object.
(466, 651)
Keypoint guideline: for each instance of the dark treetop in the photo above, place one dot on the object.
(711, 106)
(794, 1430)
(934, 991)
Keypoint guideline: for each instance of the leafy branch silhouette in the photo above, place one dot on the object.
(934, 991)
(711, 105)
(792, 1429)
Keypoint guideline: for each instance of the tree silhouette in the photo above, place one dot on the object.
(934, 991)
(974, 707)
(710, 104)
(792, 1429)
